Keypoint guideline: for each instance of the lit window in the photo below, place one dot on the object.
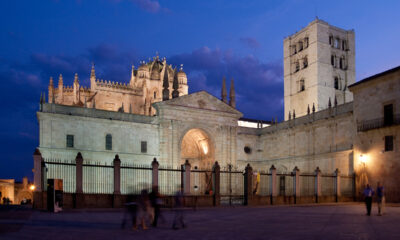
(108, 142)
(388, 143)
(143, 146)
(70, 141)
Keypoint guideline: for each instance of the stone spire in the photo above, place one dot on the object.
(175, 86)
(92, 77)
(308, 109)
(335, 101)
(313, 108)
(132, 75)
(51, 84)
(329, 103)
(224, 94)
(76, 79)
(51, 90)
(232, 100)
(294, 113)
(165, 91)
(290, 116)
(60, 81)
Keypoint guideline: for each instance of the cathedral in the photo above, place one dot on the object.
(331, 122)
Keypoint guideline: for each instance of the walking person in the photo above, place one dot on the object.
(368, 193)
(380, 192)
(131, 209)
(156, 204)
(178, 219)
(143, 209)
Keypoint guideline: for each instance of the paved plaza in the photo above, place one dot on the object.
(341, 221)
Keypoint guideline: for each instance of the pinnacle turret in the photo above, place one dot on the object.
(224, 93)
(175, 86)
(232, 98)
(165, 91)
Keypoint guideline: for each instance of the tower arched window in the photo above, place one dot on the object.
(305, 62)
(302, 85)
(108, 142)
(306, 42)
(336, 83)
(297, 65)
(331, 40)
(300, 45)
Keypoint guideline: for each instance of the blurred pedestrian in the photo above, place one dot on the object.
(144, 209)
(130, 210)
(368, 193)
(178, 218)
(156, 202)
(380, 193)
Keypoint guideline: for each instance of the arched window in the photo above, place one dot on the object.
(300, 45)
(155, 94)
(341, 63)
(333, 60)
(336, 83)
(336, 44)
(331, 40)
(305, 62)
(306, 42)
(302, 85)
(108, 142)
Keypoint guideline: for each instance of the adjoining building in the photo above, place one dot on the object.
(324, 129)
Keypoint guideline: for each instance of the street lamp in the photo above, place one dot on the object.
(32, 187)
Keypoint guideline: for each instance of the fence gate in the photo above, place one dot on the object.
(231, 186)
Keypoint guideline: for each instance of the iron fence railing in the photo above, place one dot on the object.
(378, 123)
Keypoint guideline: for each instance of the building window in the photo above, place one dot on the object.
(155, 94)
(344, 45)
(336, 83)
(302, 85)
(341, 63)
(143, 146)
(108, 142)
(70, 141)
(331, 40)
(300, 46)
(388, 143)
(388, 114)
(336, 43)
(293, 49)
(305, 62)
(306, 42)
(247, 149)
(297, 66)
(333, 60)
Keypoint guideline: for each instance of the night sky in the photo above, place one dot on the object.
(216, 38)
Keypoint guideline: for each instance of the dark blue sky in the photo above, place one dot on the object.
(239, 39)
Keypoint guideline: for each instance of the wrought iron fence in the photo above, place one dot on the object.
(378, 123)
(307, 185)
(285, 184)
(135, 178)
(347, 186)
(201, 182)
(169, 180)
(265, 184)
(328, 185)
(98, 178)
(60, 169)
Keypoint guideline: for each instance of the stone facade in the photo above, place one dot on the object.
(319, 65)
(144, 88)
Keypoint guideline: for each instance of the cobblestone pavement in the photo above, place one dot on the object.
(341, 221)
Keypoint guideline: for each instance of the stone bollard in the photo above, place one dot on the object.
(337, 183)
(216, 184)
(248, 184)
(154, 166)
(79, 199)
(296, 184)
(317, 184)
(273, 189)
(117, 182)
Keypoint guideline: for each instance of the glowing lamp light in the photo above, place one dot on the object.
(32, 187)
(204, 146)
(363, 159)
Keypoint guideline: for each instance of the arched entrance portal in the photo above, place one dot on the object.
(197, 147)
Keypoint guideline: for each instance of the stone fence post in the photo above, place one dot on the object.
(337, 183)
(317, 183)
(248, 184)
(296, 183)
(274, 192)
(154, 166)
(117, 182)
(38, 179)
(186, 178)
(79, 199)
(216, 183)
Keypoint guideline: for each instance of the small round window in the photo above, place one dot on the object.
(247, 149)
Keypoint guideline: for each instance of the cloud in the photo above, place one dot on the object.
(250, 42)
(258, 85)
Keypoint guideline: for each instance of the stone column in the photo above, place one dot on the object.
(273, 189)
(117, 182)
(296, 183)
(216, 182)
(248, 184)
(37, 180)
(186, 178)
(317, 183)
(154, 166)
(79, 199)
(338, 191)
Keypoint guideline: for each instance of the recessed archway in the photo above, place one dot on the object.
(197, 148)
